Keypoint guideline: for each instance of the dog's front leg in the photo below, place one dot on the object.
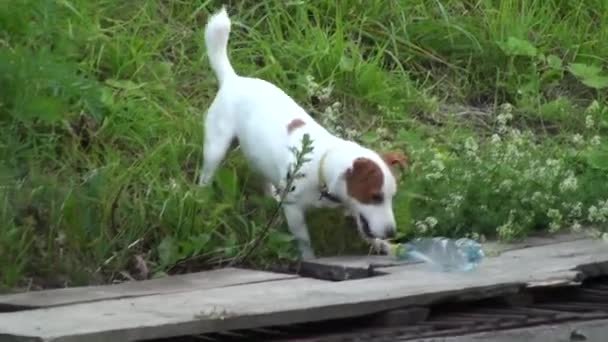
(296, 221)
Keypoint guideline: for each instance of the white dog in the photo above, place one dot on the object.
(266, 122)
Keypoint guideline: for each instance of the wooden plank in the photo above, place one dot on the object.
(302, 300)
(333, 272)
(361, 262)
(186, 282)
(492, 249)
(588, 331)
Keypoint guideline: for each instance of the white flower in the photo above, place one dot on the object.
(437, 165)
(595, 141)
(556, 219)
(381, 131)
(507, 230)
(503, 119)
(576, 227)
(554, 227)
(421, 226)
(516, 136)
(576, 210)
(60, 239)
(589, 122)
(325, 92)
(594, 107)
(577, 139)
(513, 152)
(456, 200)
(505, 185)
(552, 162)
(554, 214)
(433, 176)
(495, 139)
(471, 145)
(537, 196)
(351, 133)
(312, 87)
(595, 215)
(569, 184)
(431, 221)
(603, 208)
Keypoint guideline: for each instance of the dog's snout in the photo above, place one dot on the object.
(389, 232)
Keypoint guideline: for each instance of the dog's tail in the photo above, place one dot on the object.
(216, 40)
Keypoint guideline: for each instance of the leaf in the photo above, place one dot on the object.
(411, 138)
(598, 157)
(227, 180)
(596, 82)
(347, 64)
(199, 243)
(123, 84)
(554, 62)
(581, 70)
(167, 251)
(589, 75)
(557, 109)
(518, 47)
(46, 108)
(107, 96)
(163, 70)
(369, 137)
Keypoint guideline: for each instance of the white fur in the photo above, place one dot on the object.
(257, 113)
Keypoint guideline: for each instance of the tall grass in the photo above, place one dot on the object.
(101, 105)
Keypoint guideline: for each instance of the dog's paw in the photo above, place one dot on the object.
(306, 253)
(348, 213)
(204, 181)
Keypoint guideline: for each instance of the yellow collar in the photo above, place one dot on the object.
(320, 173)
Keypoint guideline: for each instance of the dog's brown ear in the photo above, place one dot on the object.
(395, 159)
(364, 180)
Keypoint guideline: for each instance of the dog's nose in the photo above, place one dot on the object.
(389, 232)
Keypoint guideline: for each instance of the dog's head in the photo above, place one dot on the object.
(370, 186)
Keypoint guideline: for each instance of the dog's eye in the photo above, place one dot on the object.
(377, 198)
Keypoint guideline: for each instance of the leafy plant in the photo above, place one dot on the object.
(589, 75)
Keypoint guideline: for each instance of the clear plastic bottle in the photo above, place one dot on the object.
(447, 255)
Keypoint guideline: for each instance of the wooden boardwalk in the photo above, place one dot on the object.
(237, 299)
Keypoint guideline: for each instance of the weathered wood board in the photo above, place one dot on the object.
(379, 262)
(588, 331)
(185, 282)
(301, 300)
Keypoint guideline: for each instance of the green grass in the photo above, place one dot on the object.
(501, 106)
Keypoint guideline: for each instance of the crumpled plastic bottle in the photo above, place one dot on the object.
(444, 254)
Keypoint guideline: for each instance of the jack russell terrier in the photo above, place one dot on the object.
(267, 123)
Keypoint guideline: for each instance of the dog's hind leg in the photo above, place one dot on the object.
(213, 154)
(217, 142)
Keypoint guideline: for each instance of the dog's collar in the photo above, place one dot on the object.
(323, 188)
